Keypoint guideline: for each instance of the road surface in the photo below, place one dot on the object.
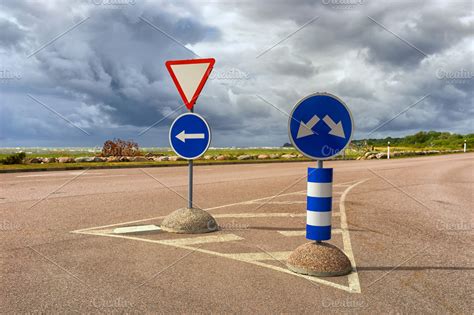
(406, 224)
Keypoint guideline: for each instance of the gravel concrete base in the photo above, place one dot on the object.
(189, 220)
(320, 260)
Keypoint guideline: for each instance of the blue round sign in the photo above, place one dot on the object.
(190, 136)
(320, 126)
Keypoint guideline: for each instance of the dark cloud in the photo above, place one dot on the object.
(11, 34)
(107, 75)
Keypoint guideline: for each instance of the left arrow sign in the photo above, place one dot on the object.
(183, 136)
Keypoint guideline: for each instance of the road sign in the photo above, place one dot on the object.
(320, 126)
(190, 136)
(189, 76)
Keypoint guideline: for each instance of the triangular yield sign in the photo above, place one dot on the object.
(189, 76)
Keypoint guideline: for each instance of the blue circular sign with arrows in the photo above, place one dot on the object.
(190, 136)
(320, 126)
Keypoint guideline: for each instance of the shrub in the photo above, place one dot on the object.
(118, 147)
(16, 158)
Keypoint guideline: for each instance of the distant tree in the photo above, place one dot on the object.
(119, 147)
(16, 158)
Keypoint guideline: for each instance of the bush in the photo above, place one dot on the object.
(118, 147)
(16, 158)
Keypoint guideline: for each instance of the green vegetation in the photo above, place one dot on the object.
(15, 158)
(424, 139)
(432, 142)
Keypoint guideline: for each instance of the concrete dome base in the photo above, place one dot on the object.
(189, 221)
(320, 260)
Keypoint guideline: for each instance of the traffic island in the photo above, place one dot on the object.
(189, 221)
(320, 260)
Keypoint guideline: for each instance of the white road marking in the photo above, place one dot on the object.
(303, 192)
(202, 240)
(82, 177)
(243, 259)
(253, 258)
(252, 201)
(279, 202)
(353, 277)
(57, 174)
(259, 215)
(260, 256)
(136, 229)
(303, 232)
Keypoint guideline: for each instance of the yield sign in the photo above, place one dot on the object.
(189, 76)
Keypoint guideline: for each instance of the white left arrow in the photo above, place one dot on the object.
(183, 136)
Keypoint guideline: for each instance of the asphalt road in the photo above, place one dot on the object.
(407, 224)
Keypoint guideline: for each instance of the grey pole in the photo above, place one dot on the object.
(190, 175)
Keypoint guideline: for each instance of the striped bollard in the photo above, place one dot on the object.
(319, 258)
(319, 204)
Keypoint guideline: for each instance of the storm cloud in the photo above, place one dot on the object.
(97, 67)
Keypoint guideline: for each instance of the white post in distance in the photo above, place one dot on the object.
(388, 151)
(465, 146)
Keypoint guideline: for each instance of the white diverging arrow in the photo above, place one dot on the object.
(183, 136)
(305, 128)
(336, 129)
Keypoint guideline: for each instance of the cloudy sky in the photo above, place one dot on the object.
(76, 73)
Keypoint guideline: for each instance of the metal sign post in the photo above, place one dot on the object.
(190, 137)
(190, 175)
(320, 127)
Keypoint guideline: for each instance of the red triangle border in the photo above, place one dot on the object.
(190, 103)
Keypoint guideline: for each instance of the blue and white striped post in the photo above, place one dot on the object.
(319, 204)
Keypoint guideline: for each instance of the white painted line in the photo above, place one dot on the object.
(57, 174)
(293, 233)
(303, 232)
(320, 190)
(254, 262)
(136, 229)
(103, 176)
(202, 240)
(279, 202)
(252, 201)
(50, 179)
(258, 215)
(260, 256)
(303, 192)
(222, 215)
(318, 218)
(353, 277)
(253, 258)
